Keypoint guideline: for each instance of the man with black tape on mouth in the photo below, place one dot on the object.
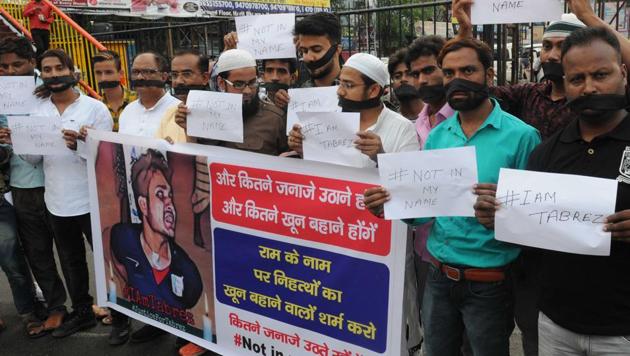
(544, 106)
(109, 76)
(319, 45)
(264, 126)
(278, 74)
(361, 85)
(142, 117)
(403, 94)
(149, 73)
(189, 71)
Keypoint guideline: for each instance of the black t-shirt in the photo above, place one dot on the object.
(588, 294)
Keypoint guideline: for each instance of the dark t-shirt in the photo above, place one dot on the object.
(182, 285)
(532, 103)
(587, 294)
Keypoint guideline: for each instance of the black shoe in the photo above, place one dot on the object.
(78, 320)
(120, 333)
(146, 334)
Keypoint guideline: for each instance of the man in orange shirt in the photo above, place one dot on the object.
(40, 15)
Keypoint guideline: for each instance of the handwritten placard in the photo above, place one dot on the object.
(215, 115)
(560, 212)
(329, 137)
(37, 135)
(515, 11)
(266, 36)
(320, 99)
(16, 95)
(429, 183)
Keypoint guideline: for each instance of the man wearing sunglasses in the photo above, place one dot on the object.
(264, 126)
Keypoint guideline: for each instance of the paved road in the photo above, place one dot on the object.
(92, 342)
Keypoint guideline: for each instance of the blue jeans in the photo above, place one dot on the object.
(483, 310)
(13, 262)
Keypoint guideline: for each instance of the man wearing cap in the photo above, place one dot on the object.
(361, 85)
(544, 106)
(264, 126)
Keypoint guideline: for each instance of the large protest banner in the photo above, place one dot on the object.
(237, 252)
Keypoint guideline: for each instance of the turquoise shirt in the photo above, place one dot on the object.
(24, 174)
(501, 141)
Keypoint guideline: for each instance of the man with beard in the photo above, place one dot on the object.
(28, 212)
(66, 183)
(109, 75)
(584, 305)
(264, 126)
(468, 288)
(405, 94)
(146, 255)
(362, 82)
(189, 71)
(142, 117)
(319, 45)
(544, 106)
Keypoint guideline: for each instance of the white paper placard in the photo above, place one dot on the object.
(16, 95)
(214, 115)
(320, 99)
(560, 212)
(266, 36)
(515, 11)
(429, 183)
(329, 137)
(37, 135)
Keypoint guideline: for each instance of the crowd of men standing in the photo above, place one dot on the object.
(464, 290)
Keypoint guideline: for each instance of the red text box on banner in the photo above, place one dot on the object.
(306, 207)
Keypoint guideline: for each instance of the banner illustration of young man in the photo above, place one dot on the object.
(151, 262)
(295, 264)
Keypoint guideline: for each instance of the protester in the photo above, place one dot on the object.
(468, 288)
(264, 126)
(361, 85)
(40, 16)
(142, 117)
(319, 45)
(27, 189)
(189, 71)
(405, 94)
(109, 77)
(544, 106)
(584, 307)
(428, 79)
(66, 186)
(278, 74)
